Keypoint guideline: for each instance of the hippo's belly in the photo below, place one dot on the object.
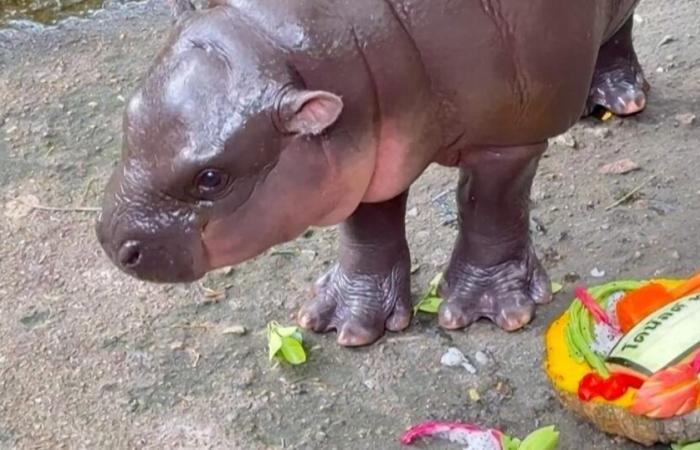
(510, 72)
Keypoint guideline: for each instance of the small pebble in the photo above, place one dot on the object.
(666, 40)
(238, 330)
(566, 139)
(454, 357)
(686, 118)
(481, 358)
(597, 273)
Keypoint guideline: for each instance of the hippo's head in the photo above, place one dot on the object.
(225, 154)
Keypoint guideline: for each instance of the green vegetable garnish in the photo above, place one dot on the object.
(579, 331)
(285, 343)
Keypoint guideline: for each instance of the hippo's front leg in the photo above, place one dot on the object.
(494, 272)
(368, 289)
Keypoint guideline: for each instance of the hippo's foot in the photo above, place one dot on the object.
(618, 81)
(360, 306)
(506, 293)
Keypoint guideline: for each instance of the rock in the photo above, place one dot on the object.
(566, 139)
(481, 358)
(237, 330)
(620, 167)
(685, 118)
(600, 132)
(597, 273)
(413, 212)
(454, 357)
(666, 40)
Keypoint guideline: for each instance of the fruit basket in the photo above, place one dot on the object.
(626, 356)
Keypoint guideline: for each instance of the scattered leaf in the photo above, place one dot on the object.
(430, 303)
(285, 343)
(693, 446)
(620, 167)
(473, 395)
(510, 443)
(556, 287)
(274, 344)
(545, 438)
(292, 350)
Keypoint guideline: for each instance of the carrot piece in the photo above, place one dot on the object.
(691, 286)
(638, 304)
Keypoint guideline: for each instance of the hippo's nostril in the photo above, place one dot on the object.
(130, 254)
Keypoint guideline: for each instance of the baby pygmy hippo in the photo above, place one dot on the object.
(261, 118)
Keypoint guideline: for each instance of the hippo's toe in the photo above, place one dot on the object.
(506, 293)
(360, 306)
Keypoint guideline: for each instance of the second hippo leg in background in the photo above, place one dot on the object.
(618, 81)
(494, 272)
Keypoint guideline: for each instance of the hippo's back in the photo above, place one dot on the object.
(514, 71)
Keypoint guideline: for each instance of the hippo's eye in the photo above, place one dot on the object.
(210, 181)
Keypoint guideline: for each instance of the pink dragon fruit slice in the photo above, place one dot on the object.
(474, 437)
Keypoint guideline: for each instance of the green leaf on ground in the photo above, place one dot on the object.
(694, 446)
(545, 438)
(430, 302)
(285, 343)
(556, 287)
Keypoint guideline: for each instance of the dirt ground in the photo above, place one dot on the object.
(90, 358)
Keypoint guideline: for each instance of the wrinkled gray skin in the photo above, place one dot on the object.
(261, 118)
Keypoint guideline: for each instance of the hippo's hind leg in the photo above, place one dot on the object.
(368, 290)
(493, 272)
(618, 81)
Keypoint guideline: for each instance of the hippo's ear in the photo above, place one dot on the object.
(180, 8)
(309, 112)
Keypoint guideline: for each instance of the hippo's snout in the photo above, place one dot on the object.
(168, 257)
(160, 244)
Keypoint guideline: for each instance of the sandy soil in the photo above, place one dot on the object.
(93, 359)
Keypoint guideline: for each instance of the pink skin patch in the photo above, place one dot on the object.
(474, 437)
